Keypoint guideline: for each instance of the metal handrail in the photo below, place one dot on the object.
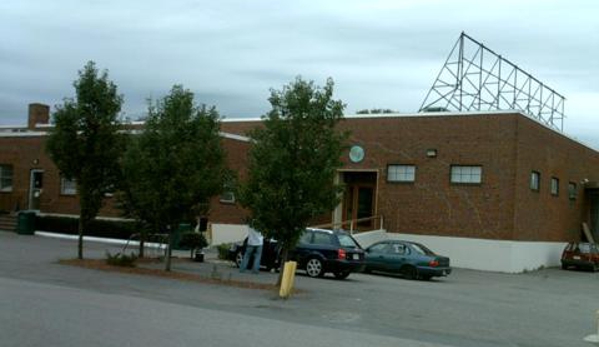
(352, 223)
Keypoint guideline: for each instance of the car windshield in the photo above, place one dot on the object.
(422, 249)
(347, 241)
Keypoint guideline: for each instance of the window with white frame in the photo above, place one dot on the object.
(466, 174)
(67, 186)
(572, 191)
(535, 181)
(554, 186)
(228, 194)
(6, 178)
(401, 173)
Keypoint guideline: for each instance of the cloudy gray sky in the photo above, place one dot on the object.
(383, 54)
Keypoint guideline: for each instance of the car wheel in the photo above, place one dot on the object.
(367, 270)
(238, 259)
(410, 272)
(314, 267)
(564, 267)
(341, 275)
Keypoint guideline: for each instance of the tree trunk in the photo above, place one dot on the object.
(80, 242)
(284, 255)
(169, 251)
(142, 241)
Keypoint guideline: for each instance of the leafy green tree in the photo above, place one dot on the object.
(176, 164)
(85, 143)
(293, 162)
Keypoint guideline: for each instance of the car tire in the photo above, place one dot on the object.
(238, 259)
(564, 267)
(314, 267)
(410, 272)
(367, 270)
(341, 275)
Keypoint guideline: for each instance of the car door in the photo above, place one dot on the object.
(302, 249)
(375, 256)
(397, 256)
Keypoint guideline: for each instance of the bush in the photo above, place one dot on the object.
(97, 227)
(223, 251)
(121, 259)
(192, 240)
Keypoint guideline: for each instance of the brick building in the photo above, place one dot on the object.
(493, 190)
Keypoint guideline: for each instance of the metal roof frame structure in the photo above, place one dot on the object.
(474, 78)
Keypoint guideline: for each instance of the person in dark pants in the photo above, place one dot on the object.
(253, 247)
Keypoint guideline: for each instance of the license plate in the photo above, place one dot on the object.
(577, 257)
(356, 257)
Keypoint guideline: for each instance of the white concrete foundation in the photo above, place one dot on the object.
(227, 233)
(481, 254)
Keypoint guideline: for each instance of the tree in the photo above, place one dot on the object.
(293, 162)
(85, 143)
(176, 164)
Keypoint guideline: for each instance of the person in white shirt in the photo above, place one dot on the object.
(253, 247)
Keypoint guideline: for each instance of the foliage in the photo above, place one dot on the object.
(223, 251)
(192, 241)
(97, 227)
(175, 164)
(85, 143)
(294, 160)
(121, 259)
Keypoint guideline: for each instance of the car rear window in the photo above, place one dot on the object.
(347, 241)
(422, 249)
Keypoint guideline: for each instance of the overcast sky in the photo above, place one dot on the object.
(381, 54)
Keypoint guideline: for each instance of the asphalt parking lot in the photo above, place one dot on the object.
(550, 307)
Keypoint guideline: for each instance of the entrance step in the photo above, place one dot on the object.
(8, 222)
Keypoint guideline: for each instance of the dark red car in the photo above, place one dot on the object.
(581, 255)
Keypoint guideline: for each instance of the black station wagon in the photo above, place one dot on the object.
(320, 251)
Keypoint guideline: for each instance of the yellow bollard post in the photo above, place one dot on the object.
(288, 278)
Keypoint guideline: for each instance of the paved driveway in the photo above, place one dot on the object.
(469, 308)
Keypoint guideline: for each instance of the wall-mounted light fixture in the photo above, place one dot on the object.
(431, 153)
(36, 161)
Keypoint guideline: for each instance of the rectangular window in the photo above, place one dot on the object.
(535, 181)
(572, 191)
(228, 194)
(464, 174)
(554, 186)
(401, 173)
(67, 186)
(5, 178)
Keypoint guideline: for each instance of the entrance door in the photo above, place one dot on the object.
(359, 199)
(36, 183)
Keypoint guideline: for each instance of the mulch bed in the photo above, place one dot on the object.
(100, 264)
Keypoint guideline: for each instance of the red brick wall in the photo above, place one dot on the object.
(507, 146)
(23, 152)
(540, 215)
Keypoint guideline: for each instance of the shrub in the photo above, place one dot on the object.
(192, 241)
(223, 251)
(121, 259)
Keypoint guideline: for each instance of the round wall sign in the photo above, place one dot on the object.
(356, 154)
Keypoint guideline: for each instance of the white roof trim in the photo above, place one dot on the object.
(234, 137)
(23, 134)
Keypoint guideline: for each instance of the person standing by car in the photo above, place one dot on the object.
(253, 248)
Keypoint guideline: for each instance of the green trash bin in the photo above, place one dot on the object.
(26, 223)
